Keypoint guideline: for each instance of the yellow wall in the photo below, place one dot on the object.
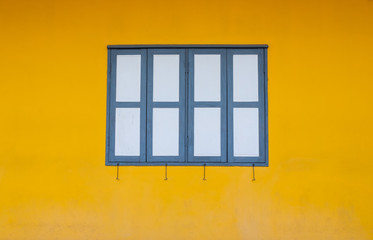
(53, 182)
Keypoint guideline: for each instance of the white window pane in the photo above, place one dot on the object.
(128, 78)
(245, 132)
(207, 132)
(127, 132)
(166, 78)
(206, 77)
(245, 78)
(165, 132)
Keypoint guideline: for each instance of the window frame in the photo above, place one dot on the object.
(260, 104)
(222, 104)
(113, 105)
(181, 104)
(227, 128)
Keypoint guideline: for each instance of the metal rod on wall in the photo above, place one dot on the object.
(253, 172)
(204, 172)
(117, 171)
(165, 177)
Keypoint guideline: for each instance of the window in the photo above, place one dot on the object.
(187, 105)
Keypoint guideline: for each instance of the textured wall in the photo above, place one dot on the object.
(53, 182)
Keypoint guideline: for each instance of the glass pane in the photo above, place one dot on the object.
(206, 77)
(246, 132)
(128, 78)
(245, 78)
(165, 132)
(127, 132)
(166, 78)
(207, 132)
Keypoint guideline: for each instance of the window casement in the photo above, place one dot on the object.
(187, 105)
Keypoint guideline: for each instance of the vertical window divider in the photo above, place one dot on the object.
(265, 66)
(226, 105)
(146, 105)
(186, 138)
(108, 106)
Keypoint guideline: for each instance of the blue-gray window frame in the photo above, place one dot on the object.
(222, 104)
(185, 157)
(180, 104)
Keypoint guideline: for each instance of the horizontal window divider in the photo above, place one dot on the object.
(126, 159)
(247, 159)
(166, 104)
(129, 104)
(245, 104)
(217, 159)
(203, 46)
(206, 104)
(166, 159)
(190, 164)
(240, 51)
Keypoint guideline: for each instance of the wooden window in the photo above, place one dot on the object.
(187, 105)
